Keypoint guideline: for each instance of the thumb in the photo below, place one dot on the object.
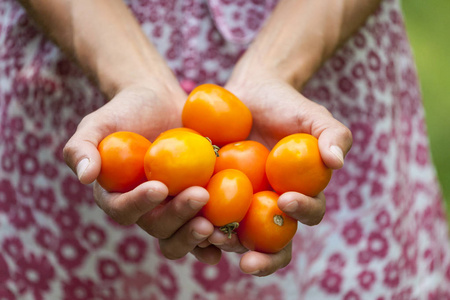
(81, 154)
(334, 143)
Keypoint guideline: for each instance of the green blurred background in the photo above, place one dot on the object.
(428, 26)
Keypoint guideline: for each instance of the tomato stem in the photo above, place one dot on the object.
(278, 219)
(215, 147)
(229, 229)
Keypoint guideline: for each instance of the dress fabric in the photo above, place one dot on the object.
(384, 235)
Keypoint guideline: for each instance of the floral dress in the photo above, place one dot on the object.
(384, 235)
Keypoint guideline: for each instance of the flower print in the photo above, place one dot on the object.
(336, 261)
(352, 232)
(67, 219)
(21, 217)
(383, 219)
(13, 247)
(167, 281)
(354, 199)
(351, 295)
(108, 269)
(366, 279)
(94, 235)
(45, 238)
(28, 164)
(391, 274)
(34, 273)
(331, 282)
(378, 244)
(77, 288)
(212, 277)
(45, 200)
(70, 253)
(132, 249)
(73, 190)
(364, 257)
(332, 203)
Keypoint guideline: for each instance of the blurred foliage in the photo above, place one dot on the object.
(428, 27)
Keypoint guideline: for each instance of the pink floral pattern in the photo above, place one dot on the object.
(384, 235)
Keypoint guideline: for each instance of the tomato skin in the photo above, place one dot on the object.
(230, 195)
(249, 157)
(122, 154)
(217, 114)
(295, 164)
(175, 130)
(258, 230)
(180, 159)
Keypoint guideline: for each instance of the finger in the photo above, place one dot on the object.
(225, 242)
(186, 238)
(163, 221)
(335, 139)
(127, 208)
(307, 210)
(261, 264)
(210, 255)
(334, 143)
(80, 152)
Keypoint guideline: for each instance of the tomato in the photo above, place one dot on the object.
(217, 114)
(122, 158)
(265, 228)
(230, 195)
(178, 129)
(295, 164)
(248, 157)
(180, 159)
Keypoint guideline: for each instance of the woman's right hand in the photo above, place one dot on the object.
(147, 111)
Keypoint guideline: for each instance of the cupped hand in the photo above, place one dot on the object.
(279, 110)
(147, 111)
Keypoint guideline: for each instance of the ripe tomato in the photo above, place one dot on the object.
(175, 130)
(295, 164)
(122, 154)
(248, 157)
(230, 195)
(265, 228)
(217, 113)
(179, 160)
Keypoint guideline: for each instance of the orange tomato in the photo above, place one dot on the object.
(265, 228)
(217, 114)
(122, 157)
(175, 130)
(295, 164)
(248, 157)
(230, 195)
(179, 160)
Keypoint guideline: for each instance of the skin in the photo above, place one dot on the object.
(106, 40)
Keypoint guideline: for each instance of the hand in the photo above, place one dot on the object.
(148, 112)
(279, 110)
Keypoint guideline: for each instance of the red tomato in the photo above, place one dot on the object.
(230, 195)
(122, 154)
(180, 159)
(295, 164)
(248, 157)
(217, 114)
(265, 228)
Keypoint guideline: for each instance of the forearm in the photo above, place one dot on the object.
(104, 38)
(301, 34)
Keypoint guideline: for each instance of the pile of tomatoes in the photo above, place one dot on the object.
(243, 178)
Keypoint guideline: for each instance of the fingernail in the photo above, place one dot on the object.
(254, 272)
(338, 153)
(199, 236)
(81, 167)
(196, 205)
(291, 207)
